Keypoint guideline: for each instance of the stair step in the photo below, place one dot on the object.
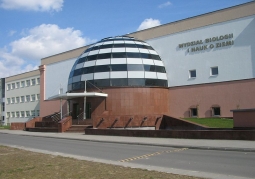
(42, 129)
(78, 128)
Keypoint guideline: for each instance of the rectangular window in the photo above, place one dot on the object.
(8, 114)
(8, 86)
(12, 100)
(33, 113)
(33, 82)
(22, 84)
(214, 71)
(17, 113)
(8, 101)
(38, 97)
(38, 112)
(17, 84)
(13, 85)
(27, 82)
(22, 114)
(22, 99)
(192, 74)
(38, 81)
(27, 113)
(27, 98)
(193, 112)
(216, 111)
(13, 114)
(17, 100)
(33, 97)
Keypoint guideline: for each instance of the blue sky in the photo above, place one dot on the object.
(34, 29)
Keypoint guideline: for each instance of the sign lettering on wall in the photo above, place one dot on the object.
(209, 43)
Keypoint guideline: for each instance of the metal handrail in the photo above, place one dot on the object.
(80, 116)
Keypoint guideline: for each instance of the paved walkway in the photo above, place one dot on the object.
(230, 145)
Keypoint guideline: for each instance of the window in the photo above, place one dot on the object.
(17, 113)
(17, 84)
(17, 100)
(216, 111)
(22, 99)
(38, 97)
(28, 82)
(8, 114)
(13, 85)
(38, 81)
(38, 112)
(33, 113)
(27, 98)
(214, 71)
(3, 106)
(13, 114)
(193, 112)
(27, 113)
(8, 101)
(12, 100)
(192, 74)
(8, 86)
(22, 114)
(33, 97)
(22, 84)
(33, 82)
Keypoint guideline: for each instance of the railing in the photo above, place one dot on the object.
(80, 117)
(56, 117)
(67, 114)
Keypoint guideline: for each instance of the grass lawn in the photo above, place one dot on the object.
(16, 163)
(213, 122)
(4, 127)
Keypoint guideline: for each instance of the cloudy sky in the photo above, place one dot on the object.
(34, 29)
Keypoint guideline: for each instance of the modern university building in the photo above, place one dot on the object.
(202, 66)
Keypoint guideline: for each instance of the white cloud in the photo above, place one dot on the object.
(12, 32)
(41, 41)
(168, 3)
(34, 5)
(148, 23)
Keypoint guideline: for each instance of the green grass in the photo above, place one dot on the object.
(4, 127)
(213, 122)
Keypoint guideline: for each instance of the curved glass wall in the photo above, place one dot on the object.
(118, 61)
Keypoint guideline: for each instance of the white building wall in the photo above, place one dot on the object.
(234, 62)
(19, 106)
(57, 75)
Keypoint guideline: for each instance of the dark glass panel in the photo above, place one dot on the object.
(119, 55)
(155, 82)
(160, 69)
(133, 55)
(95, 47)
(155, 57)
(148, 47)
(135, 67)
(119, 82)
(88, 70)
(103, 82)
(131, 45)
(91, 57)
(81, 60)
(119, 67)
(106, 46)
(136, 82)
(118, 45)
(71, 74)
(104, 56)
(69, 87)
(102, 68)
(149, 67)
(78, 72)
(145, 55)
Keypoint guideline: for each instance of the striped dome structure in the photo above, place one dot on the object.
(119, 61)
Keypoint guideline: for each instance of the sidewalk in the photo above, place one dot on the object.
(228, 145)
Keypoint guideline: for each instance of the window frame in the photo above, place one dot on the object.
(211, 71)
(190, 74)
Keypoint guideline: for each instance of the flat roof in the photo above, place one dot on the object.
(66, 96)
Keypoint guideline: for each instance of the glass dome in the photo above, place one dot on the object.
(117, 62)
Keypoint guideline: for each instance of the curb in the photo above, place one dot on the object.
(147, 144)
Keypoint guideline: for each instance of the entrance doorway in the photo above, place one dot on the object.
(75, 110)
(88, 110)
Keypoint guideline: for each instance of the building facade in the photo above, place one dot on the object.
(22, 97)
(2, 100)
(209, 63)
